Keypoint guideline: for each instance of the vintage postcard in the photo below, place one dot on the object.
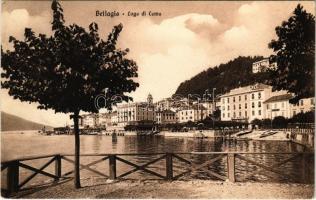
(157, 99)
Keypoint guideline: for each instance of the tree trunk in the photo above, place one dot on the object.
(77, 150)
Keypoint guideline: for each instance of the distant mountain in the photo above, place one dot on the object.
(237, 72)
(14, 123)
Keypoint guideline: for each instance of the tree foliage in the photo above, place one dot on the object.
(237, 72)
(257, 122)
(295, 55)
(279, 122)
(307, 117)
(67, 70)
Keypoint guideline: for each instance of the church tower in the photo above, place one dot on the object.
(150, 99)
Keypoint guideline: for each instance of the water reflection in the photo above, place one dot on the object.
(16, 146)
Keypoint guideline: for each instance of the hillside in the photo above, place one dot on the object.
(237, 72)
(12, 123)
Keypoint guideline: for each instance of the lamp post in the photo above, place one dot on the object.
(188, 101)
(213, 107)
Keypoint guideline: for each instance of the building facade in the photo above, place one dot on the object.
(132, 113)
(89, 121)
(245, 103)
(208, 105)
(259, 102)
(166, 117)
(104, 119)
(262, 66)
(193, 113)
(279, 105)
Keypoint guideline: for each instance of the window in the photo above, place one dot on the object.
(259, 104)
(223, 107)
(234, 115)
(259, 95)
(253, 96)
(253, 113)
(267, 106)
(253, 104)
(312, 101)
(228, 114)
(294, 112)
(245, 97)
(223, 115)
(228, 100)
(233, 99)
(239, 106)
(259, 112)
(246, 105)
(239, 114)
(239, 98)
(234, 107)
(245, 113)
(302, 102)
(223, 100)
(227, 107)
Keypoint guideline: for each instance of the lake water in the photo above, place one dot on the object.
(16, 145)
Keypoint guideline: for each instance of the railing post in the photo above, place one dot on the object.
(13, 176)
(169, 166)
(57, 167)
(231, 167)
(112, 166)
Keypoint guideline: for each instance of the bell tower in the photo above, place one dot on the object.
(150, 99)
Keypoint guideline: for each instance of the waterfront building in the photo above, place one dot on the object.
(191, 113)
(245, 103)
(166, 117)
(164, 104)
(304, 105)
(133, 113)
(262, 66)
(279, 105)
(208, 105)
(89, 121)
(259, 102)
(102, 120)
(105, 120)
(172, 104)
(114, 118)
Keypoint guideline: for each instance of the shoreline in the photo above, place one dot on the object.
(103, 188)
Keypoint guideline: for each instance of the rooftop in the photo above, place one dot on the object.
(193, 107)
(282, 97)
(165, 111)
(246, 89)
(263, 60)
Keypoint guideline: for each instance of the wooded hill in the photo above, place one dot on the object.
(14, 123)
(237, 72)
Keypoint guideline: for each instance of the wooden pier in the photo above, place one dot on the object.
(14, 184)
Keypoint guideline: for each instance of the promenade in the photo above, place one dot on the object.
(101, 188)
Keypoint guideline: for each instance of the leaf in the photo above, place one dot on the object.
(11, 38)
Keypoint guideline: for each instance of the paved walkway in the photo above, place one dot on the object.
(100, 188)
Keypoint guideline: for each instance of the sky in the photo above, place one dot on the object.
(187, 38)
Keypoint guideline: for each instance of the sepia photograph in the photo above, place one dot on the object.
(157, 99)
